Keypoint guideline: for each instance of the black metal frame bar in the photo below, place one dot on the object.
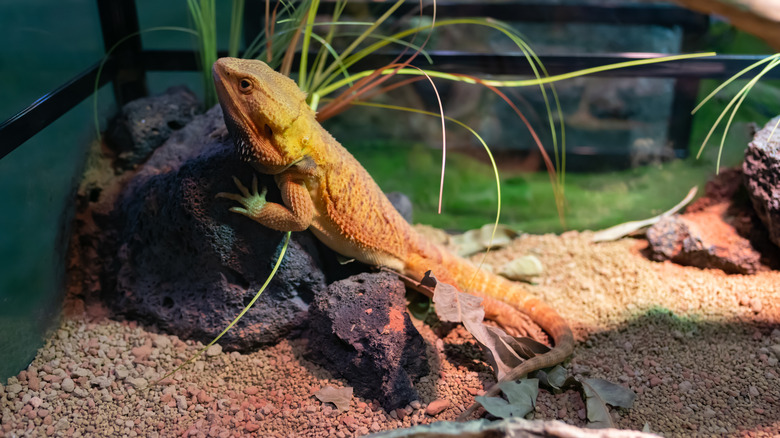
(129, 63)
(119, 24)
(49, 107)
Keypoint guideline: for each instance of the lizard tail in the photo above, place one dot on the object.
(555, 326)
(502, 300)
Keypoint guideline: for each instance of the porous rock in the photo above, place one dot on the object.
(684, 241)
(359, 329)
(719, 230)
(761, 170)
(180, 259)
(144, 124)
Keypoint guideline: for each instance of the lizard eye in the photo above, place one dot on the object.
(245, 85)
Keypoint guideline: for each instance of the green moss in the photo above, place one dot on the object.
(594, 200)
(665, 317)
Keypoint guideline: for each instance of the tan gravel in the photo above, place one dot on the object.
(699, 347)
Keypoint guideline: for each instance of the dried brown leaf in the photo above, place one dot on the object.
(338, 396)
(478, 240)
(453, 305)
(598, 413)
(504, 352)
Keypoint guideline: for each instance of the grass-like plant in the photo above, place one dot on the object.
(332, 87)
(292, 26)
(204, 17)
(769, 63)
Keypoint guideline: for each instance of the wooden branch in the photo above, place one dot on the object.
(758, 17)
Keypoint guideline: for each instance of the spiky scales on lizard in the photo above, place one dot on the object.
(326, 190)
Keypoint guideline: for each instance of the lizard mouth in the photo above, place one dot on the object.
(239, 127)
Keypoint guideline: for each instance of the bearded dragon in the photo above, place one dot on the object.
(326, 190)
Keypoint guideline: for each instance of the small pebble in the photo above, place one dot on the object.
(436, 407)
(139, 382)
(68, 385)
(161, 341)
(35, 402)
(100, 381)
(214, 350)
(121, 373)
(725, 384)
(81, 372)
(181, 402)
(14, 389)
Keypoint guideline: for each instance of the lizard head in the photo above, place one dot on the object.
(265, 112)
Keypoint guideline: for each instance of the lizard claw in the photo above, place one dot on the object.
(252, 202)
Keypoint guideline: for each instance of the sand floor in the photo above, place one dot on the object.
(699, 347)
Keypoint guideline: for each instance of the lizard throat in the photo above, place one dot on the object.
(256, 150)
(241, 139)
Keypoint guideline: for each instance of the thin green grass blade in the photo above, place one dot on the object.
(307, 32)
(538, 70)
(509, 83)
(287, 16)
(560, 201)
(333, 53)
(253, 52)
(328, 83)
(330, 69)
(717, 122)
(484, 145)
(95, 87)
(559, 152)
(322, 56)
(343, 68)
(772, 133)
(739, 98)
(398, 41)
(726, 129)
(730, 80)
(203, 13)
(746, 88)
(443, 138)
(240, 315)
(236, 21)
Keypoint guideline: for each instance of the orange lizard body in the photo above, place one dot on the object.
(325, 189)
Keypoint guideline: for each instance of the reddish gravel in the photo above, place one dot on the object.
(699, 347)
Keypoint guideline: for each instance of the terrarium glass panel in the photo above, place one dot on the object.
(275, 243)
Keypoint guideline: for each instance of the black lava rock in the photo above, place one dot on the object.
(144, 124)
(761, 170)
(183, 261)
(360, 330)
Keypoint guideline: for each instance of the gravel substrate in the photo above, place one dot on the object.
(699, 347)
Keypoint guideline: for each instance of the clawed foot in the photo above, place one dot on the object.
(252, 202)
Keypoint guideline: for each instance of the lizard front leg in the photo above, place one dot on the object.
(295, 215)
